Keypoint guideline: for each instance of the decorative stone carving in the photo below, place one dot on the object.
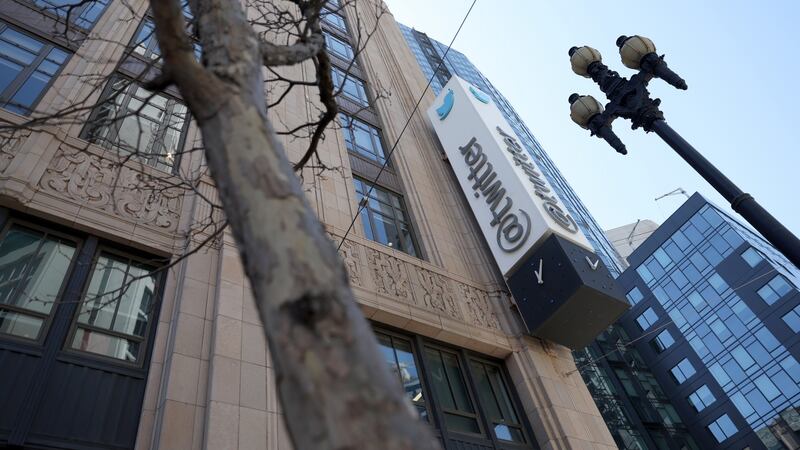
(389, 274)
(10, 143)
(352, 262)
(437, 293)
(477, 307)
(102, 184)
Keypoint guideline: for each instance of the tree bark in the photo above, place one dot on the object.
(334, 386)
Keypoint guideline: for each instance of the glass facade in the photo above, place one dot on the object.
(730, 304)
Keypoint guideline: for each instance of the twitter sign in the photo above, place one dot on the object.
(562, 288)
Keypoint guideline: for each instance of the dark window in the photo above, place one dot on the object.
(399, 356)
(647, 319)
(722, 428)
(339, 47)
(634, 296)
(774, 289)
(116, 308)
(385, 219)
(792, 319)
(133, 119)
(27, 66)
(662, 341)
(701, 398)
(495, 399)
(33, 266)
(682, 371)
(450, 388)
(83, 13)
(350, 86)
(362, 138)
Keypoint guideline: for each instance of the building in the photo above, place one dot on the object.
(627, 395)
(715, 317)
(626, 238)
(181, 362)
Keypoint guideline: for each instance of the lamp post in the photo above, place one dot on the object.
(629, 99)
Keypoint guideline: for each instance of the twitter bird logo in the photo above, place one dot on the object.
(444, 110)
(483, 98)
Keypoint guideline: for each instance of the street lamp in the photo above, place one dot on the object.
(629, 99)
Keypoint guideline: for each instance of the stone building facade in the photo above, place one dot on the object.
(189, 367)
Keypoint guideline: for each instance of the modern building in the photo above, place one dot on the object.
(631, 402)
(180, 361)
(626, 238)
(715, 316)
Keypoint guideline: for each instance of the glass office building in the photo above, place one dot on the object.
(715, 316)
(633, 406)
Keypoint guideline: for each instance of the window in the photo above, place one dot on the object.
(647, 319)
(350, 86)
(682, 371)
(718, 283)
(116, 308)
(333, 19)
(792, 319)
(449, 386)
(33, 268)
(362, 139)
(398, 354)
(635, 296)
(742, 357)
(494, 397)
(774, 289)
(752, 257)
(145, 43)
(767, 387)
(385, 219)
(27, 66)
(722, 428)
(662, 341)
(83, 13)
(339, 47)
(701, 398)
(133, 119)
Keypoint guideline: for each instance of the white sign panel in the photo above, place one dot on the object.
(515, 205)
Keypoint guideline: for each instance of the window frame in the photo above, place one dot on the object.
(16, 84)
(48, 321)
(327, 11)
(52, 12)
(345, 77)
(700, 400)
(377, 136)
(111, 141)
(346, 42)
(435, 413)
(685, 377)
(657, 343)
(148, 334)
(370, 216)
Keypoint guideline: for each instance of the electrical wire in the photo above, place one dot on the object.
(363, 201)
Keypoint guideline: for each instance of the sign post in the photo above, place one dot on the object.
(562, 288)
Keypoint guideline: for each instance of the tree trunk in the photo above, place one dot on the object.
(334, 386)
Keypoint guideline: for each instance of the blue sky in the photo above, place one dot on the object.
(737, 57)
